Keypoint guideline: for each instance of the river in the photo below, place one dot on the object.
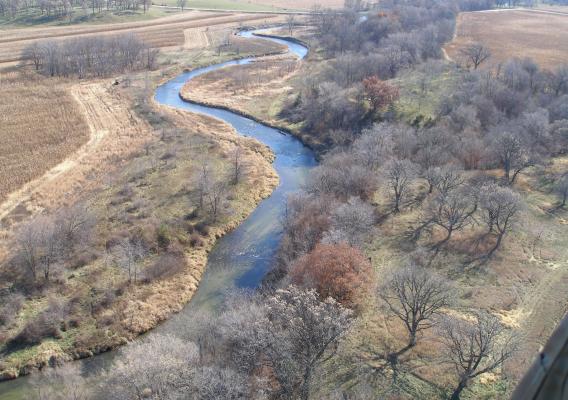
(241, 258)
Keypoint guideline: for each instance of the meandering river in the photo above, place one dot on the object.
(241, 258)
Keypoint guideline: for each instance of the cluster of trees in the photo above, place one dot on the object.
(98, 56)
(257, 348)
(65, 8)
(46, 243)
(348, 91)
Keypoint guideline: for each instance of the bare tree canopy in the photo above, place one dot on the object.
(475, 54)
(91, 56)
(416, 296)
(398, 175)
(475, 347)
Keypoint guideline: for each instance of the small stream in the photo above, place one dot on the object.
(241, 258)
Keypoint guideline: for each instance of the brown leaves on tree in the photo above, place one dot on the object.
(380, 94)
(339, 271)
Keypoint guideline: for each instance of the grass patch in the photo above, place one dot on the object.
(34, 17)
(239, 5)
(421, 91)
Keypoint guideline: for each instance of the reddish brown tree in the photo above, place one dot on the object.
(339, 271)
(381, 94)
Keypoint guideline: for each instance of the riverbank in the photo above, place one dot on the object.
(149, 192)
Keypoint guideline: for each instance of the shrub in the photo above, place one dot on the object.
(11, 306)
(166, 265)
(195, 241)
(192, 215)
(339, 271)
(46, 324)
(202, 228)
(163, 237)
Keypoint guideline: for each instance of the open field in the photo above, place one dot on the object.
(159, 33)
(28, 150)
(255, 5)
(541, 36)
(300, 4)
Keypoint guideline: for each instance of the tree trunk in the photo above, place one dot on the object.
(497, 245)
(305, 389)
(458, 390)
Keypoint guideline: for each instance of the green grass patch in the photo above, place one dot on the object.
(421, 91)
(34, 17)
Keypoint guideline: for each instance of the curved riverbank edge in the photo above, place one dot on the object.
(197, 261)
(283, 130)
(189, 279)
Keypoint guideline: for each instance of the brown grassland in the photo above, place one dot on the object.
(541, 36)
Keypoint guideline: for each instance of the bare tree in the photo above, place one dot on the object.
(291, 22)
(203, 182)
(216, 382)
(33, 53)
(475, 347)
(475, 54)
(351, 222)
(415, 296)
(238, 166)
(449, 178)
(451, 212)
(500, 208)
(304, 332)
(128, 255)
(75, 225)
(61, 383)
(39, 246)
(181, 4)
(158, 367)
(398, 177)
(513, 155)
(561, 188)
(215, 198)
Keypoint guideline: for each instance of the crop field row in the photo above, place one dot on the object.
(29, 149)
(540, 35)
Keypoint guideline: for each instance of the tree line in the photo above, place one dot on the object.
(66, 8)
(92, 56)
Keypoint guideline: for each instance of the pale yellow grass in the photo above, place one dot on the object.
(541, 36)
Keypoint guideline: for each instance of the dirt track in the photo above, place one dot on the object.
(114, 132)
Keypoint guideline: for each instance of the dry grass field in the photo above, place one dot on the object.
(160, 33)
(30, 147)
(542, 36)
(300, 4)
